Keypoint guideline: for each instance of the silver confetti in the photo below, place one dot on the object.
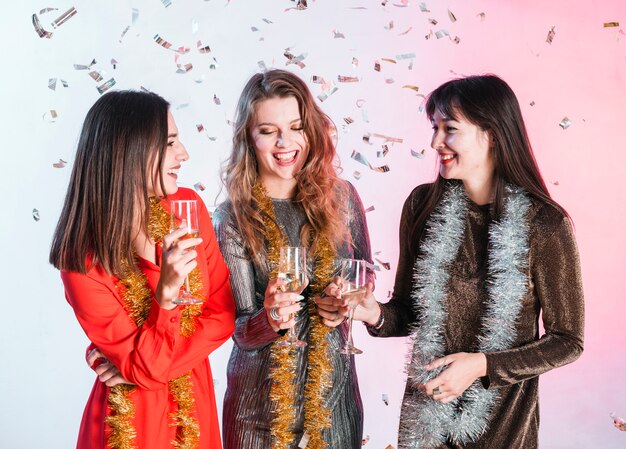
(36, 216)
(59, 164)
(565, 123)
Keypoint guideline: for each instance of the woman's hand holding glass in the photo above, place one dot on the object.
(281, 306)
(177, 261)
(334, 308)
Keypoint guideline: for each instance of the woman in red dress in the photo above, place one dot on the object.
(121, 268)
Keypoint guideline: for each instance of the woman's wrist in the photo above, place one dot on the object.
(376, 318)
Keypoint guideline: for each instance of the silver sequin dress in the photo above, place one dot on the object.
(247, 412)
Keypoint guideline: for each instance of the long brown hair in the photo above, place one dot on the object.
(489, 103)
(318, 189)
(124, 133)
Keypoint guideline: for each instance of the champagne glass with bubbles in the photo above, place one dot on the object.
(292, 268)
(354, 274)
(184, 213)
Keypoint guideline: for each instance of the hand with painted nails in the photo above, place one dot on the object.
(281, 306)
(106, 371)
(334, 308)
(462, 369)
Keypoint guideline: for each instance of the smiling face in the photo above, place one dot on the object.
(174, 155)
(280, 144)
(464, 152)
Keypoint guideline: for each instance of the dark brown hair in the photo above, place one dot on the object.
(123, 135)
(489, 103)
(318, 189)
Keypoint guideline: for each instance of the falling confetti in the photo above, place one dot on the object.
(363, 160)
(338, 34)
(357, 175)
(166, 3)
(565, 123)
(365, 440)
(409, 86)
(377, 66)
(404, 33)
(360, 102)
(50, 116)
(203, 48)
(482, 16)
(386, 266)
(405, 56)
(114, 63)
(611, 24)
(367, 138)
(451, 16)
(618, 422)
(292, 59)
(532, 103)
(199, 187)
(390, 26)
(97, 77)
(106, 86)
(355, 62)
(327, 93)
(389, 80)
(36, 216)
(370, 209)
(442, 33)
(433, 22)
(67, 15)
(385, 399)
(418, 154)
(383, 152)
(59, 164)
(429, 35)
(216, 100)
(348, 79)
(392, 61)
(45, 10)
(348, 120)
(200, 127)
(423, 7)
(268, 21)
(556, 183)
(456, 39)
(167, 45)
(316, 79)
(551, 34)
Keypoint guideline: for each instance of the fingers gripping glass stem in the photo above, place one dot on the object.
(354, 274)
(184, 213)
(292, 268)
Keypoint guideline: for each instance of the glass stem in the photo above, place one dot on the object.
(350, 316)
(187, 289)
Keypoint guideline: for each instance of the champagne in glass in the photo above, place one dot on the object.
(184, 213)
(354, 274)
(292, 268)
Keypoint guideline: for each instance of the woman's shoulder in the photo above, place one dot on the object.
(417, 196)
(223, 214)
(545, 219)
(183, 193)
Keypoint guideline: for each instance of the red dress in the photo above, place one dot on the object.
(156, 352)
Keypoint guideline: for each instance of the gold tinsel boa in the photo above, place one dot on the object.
(137, 299)
(283, 360)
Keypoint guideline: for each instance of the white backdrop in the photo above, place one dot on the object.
(44, 382)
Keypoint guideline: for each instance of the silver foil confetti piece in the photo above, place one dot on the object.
(166, 3)
(262, 65)
(67, 15)
(550, 36)
(338, 34)
(556, 183)
(442, 33)
(384, 2)
(423, 7)
(199, 187)
(482, 16)
(200, 80)
(292, 59)
(254, 29)
(618, 422)
(36, 216)
(194, 26)
(50, 116)
(64, 83)
(300, 6)
(456, 39)
(367, 138)
(39, 29)
(348, 79)
(357, 175)
(404, 33)
(59, 164)
(216, 100)
(451, 16)
(360, 102)
(410, 86)
(162, 42)
(355, 62)
(383, 152)
(370, 209)
(181, 106)
(45, 10)
(381, 169)
(124, 33)
(213, 65)
(405, 56)
(418, 154)
(389, 80)
(106, 86)
(390, 26)
(433, 22)
(304, 441)
(268, 21)
(327, 93)
(348, 120)
(52, 83)
(611, 24)
(385, 399)
(403, 4)
(202, 48)
(359, 158)
(365, 115)
(429, 35)
(365, 440)
(200, 127)
(532, 103)
(114, 63)
(316, 79)
(565, 123)
(377, 66)
(97, 77)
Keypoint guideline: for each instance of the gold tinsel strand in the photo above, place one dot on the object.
(137, 299)
(282, 373)
(188, 432)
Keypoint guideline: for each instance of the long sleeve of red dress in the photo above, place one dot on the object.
(151, 355)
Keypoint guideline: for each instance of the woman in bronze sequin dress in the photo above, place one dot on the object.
(484, 253)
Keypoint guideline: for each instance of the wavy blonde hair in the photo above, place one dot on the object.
(319, 190)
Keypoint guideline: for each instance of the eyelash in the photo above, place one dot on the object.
(266, 133)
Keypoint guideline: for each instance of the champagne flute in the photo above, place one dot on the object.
(354, 274)
(292, 268)
(184, 213)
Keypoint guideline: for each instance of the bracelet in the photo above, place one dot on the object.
(379, 323)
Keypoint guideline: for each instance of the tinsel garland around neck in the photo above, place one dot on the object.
(137, 299)
(282, 372)
(426, 423)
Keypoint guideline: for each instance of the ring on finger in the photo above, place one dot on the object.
(436, 391)
(274, 314)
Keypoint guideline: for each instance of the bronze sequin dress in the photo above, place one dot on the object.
(247, 414)
(554, 290)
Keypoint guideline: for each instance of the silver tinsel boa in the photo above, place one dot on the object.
(424, 422)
